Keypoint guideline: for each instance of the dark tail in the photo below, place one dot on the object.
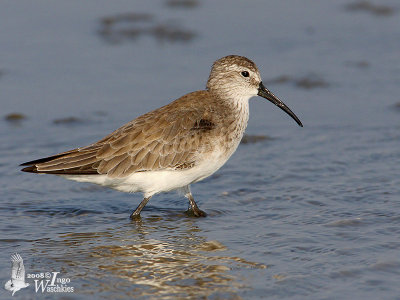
(32, 164)
(71, 162)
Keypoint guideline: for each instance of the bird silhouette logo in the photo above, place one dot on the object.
(17, 280)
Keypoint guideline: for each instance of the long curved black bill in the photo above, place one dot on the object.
(265, 93)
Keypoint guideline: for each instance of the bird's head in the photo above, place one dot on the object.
(237, 77)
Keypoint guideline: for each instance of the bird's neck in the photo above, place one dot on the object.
(236, 107)
(236, 118)
(240, 109)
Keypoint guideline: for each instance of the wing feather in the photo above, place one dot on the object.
(168, 138)
(151, 160)
(137, 159)
(120, 169)
(69, 165)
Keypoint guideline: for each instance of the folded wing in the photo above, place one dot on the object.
(167, 138)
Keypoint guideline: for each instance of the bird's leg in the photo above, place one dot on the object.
(194, 209)
(136, 213)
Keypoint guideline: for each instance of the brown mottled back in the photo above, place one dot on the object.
(171, 137)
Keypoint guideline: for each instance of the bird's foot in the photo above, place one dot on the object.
(193, 209)
(196, 212)
(135, 216)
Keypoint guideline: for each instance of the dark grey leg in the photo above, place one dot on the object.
(136, 213)
(193, 208)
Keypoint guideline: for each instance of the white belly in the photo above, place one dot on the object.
(153, 182)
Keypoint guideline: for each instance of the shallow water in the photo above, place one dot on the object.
(305, 213)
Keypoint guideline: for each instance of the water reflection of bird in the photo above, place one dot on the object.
(17, 280)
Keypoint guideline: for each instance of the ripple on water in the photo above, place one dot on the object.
(346, 223)
(157, 255)
(62, 211)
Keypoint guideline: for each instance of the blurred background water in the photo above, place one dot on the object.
(296, 213)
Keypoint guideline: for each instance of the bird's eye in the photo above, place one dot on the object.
(245, 74)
